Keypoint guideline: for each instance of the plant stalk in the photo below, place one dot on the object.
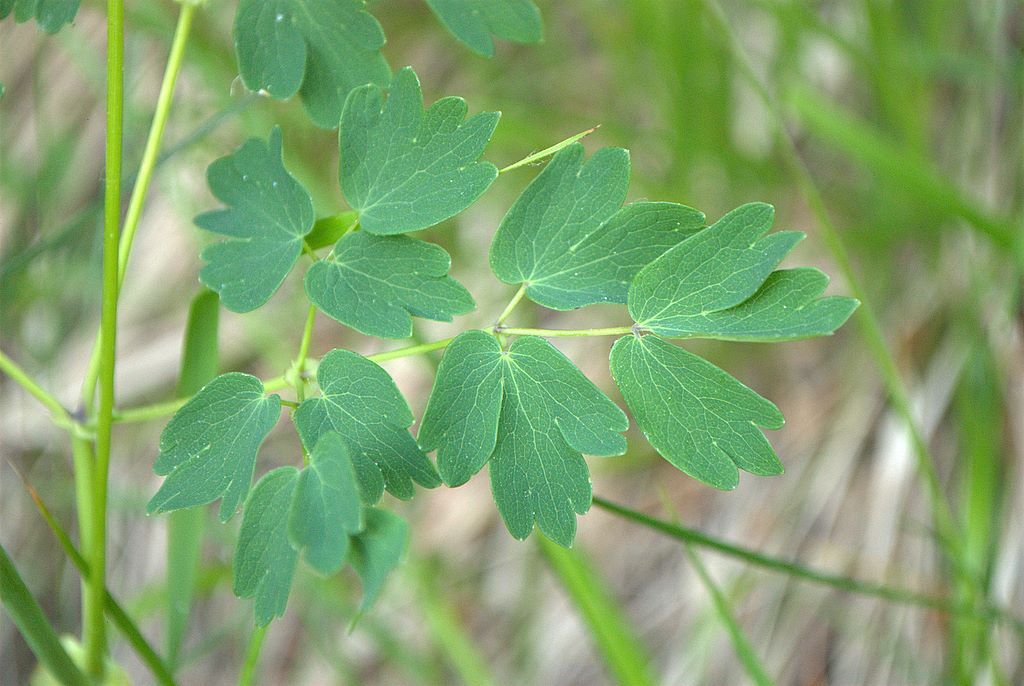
(150, 157)
(95, 643)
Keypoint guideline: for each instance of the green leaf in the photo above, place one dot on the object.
(268, 214)
(362, 403)
(208, 449)
(404, 169)
(328, 230)
(698, 417)
(549, 413)
(473, 21)
(378, 550)
(319, 49)
(461, 419)
(375, 284)
(264, 561)
(326, 507)
(569, 238)
(50, 15)
(715, 269)
(785, 308)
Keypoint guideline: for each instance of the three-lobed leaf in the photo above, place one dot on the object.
(787, 307)
(377, 550)
(715, 269)
(321, 49)
(404, 169)
(360, 402)
(267, 216)
(571, 242)
(208, 449)
(473, 22)
(528, 413)
(326, 507)
(264, 561)
(50, 15)
(376, 284)
(696, 416)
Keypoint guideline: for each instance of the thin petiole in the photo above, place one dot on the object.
(512, 304)
(252, 656)
(561, 333)
(546, 152)
(411, 350)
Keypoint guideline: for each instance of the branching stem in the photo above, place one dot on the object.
(22, 378)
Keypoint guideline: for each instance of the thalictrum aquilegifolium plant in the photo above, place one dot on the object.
(504, 398)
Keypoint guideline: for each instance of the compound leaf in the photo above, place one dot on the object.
(378, 550)
(529, 413)
(376, 284)
(264, 561)
(362, 403)
(208, 449)
(326, 507)
(50, 15)
(785, 308)
(697, 416)
(461, 419)
(715, 269)
(323, 50)
(404, 169)
(569, 239)
(268, 214)
(473, 22)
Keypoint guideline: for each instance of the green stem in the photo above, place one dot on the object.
(411, 350)
(558, 333)
(150, 157)
(20, 377)
(511, 305)
(252, 656)
(95, 647)
(800, 571)
(530, 159)
(295, 373)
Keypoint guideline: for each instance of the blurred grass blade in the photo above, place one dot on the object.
(893, 164)
(115, 612)
(800, 571)
(33, 625)
(445, 627)
(751, 662)
(981, 419)
(616, 641)
(185, 528)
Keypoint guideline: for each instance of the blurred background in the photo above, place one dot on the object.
(896, 128)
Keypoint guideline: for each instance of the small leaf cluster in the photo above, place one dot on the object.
(50, 15)
(503, 399)
(324, 50)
